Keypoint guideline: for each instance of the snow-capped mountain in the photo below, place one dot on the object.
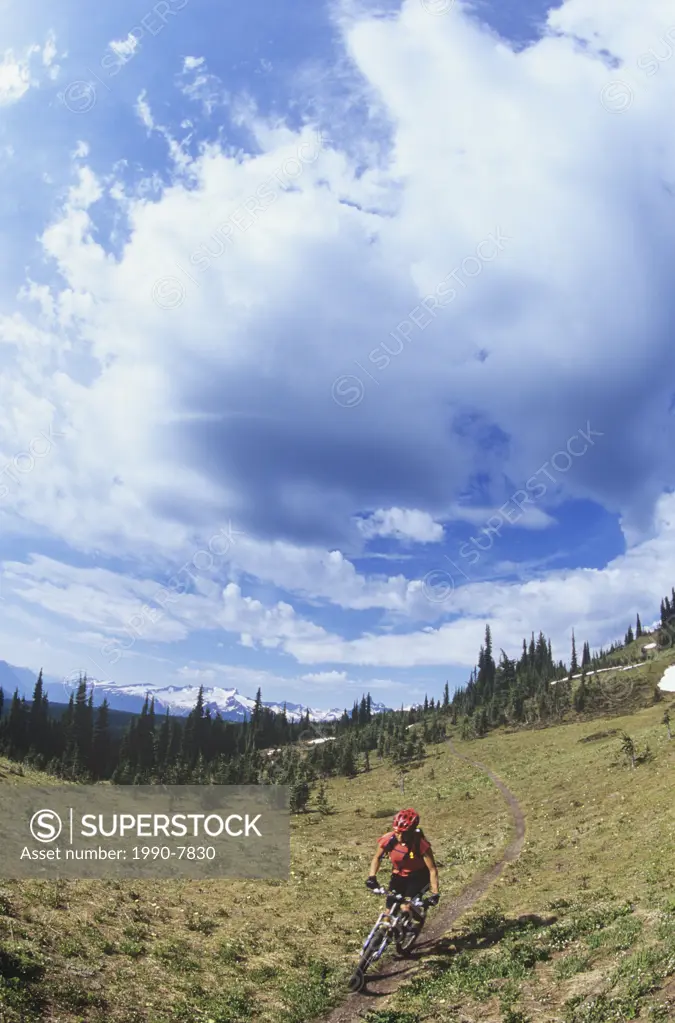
(230, 703)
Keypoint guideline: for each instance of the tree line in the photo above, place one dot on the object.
(203, 748)
(80, 745)
(535, 689)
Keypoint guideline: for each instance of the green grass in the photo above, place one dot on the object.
(275, 952)
(596, 875)
(580, 929)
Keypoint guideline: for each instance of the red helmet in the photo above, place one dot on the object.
(406, 820)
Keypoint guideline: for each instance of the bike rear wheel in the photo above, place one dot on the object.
(406, 942)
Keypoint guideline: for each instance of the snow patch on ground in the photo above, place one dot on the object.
(598, 671)
(667, 683)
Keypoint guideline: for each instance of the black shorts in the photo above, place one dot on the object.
(409, 886)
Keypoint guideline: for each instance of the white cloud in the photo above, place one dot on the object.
(49, 51)
(196, 674)
(598, 603)
(125, 47)
(402, 524)
(120, 607)
(21, 72)
(201, 86)
(212, 390)
(144, 113)
(333, 678)
(16, 77)
(527, 516)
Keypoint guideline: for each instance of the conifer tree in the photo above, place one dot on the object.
(101, 753)
(322, 804)
(348, 761)
(299, 796)
(574, 665)
(16, 728)
(38, 721)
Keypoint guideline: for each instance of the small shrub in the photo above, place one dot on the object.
(232, 951)
(178, 956)
(6, 906)
(202, 924)
(570, 965)
(71, 947)
(132, 948)
(380, 813)
(514, 1016)
(20, 963)
(601, 1010)
(391, 1016)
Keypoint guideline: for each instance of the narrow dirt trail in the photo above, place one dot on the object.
(391, 974)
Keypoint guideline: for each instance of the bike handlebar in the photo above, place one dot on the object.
(396, 895)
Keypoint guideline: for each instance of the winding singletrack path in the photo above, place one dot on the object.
(391, 974)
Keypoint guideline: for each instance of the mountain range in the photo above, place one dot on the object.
(179, 700)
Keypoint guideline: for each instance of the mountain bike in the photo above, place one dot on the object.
(403, 929)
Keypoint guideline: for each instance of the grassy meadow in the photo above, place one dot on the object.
(230, 951)
(581, 929)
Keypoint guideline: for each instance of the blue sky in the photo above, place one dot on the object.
(329, 333)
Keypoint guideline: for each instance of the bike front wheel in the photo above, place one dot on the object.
(373, 950)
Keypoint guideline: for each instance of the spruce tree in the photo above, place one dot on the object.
(257, 710)
(322, 804)
(574, 665)
(299, 796)
(101, 752)
(348, 761)
(38, 721)
(16, 728)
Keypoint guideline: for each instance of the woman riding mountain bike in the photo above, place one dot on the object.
(414, 870)
(413, 866)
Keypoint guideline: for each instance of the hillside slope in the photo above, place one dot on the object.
(581, 929)
(233, 951)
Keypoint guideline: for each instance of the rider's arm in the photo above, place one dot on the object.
(376, 861)
(433, 870)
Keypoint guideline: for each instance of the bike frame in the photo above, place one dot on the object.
(390, 919)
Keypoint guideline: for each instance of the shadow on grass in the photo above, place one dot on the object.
(481, 938)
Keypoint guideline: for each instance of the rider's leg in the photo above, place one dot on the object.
(417, 887)
(396, 887)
